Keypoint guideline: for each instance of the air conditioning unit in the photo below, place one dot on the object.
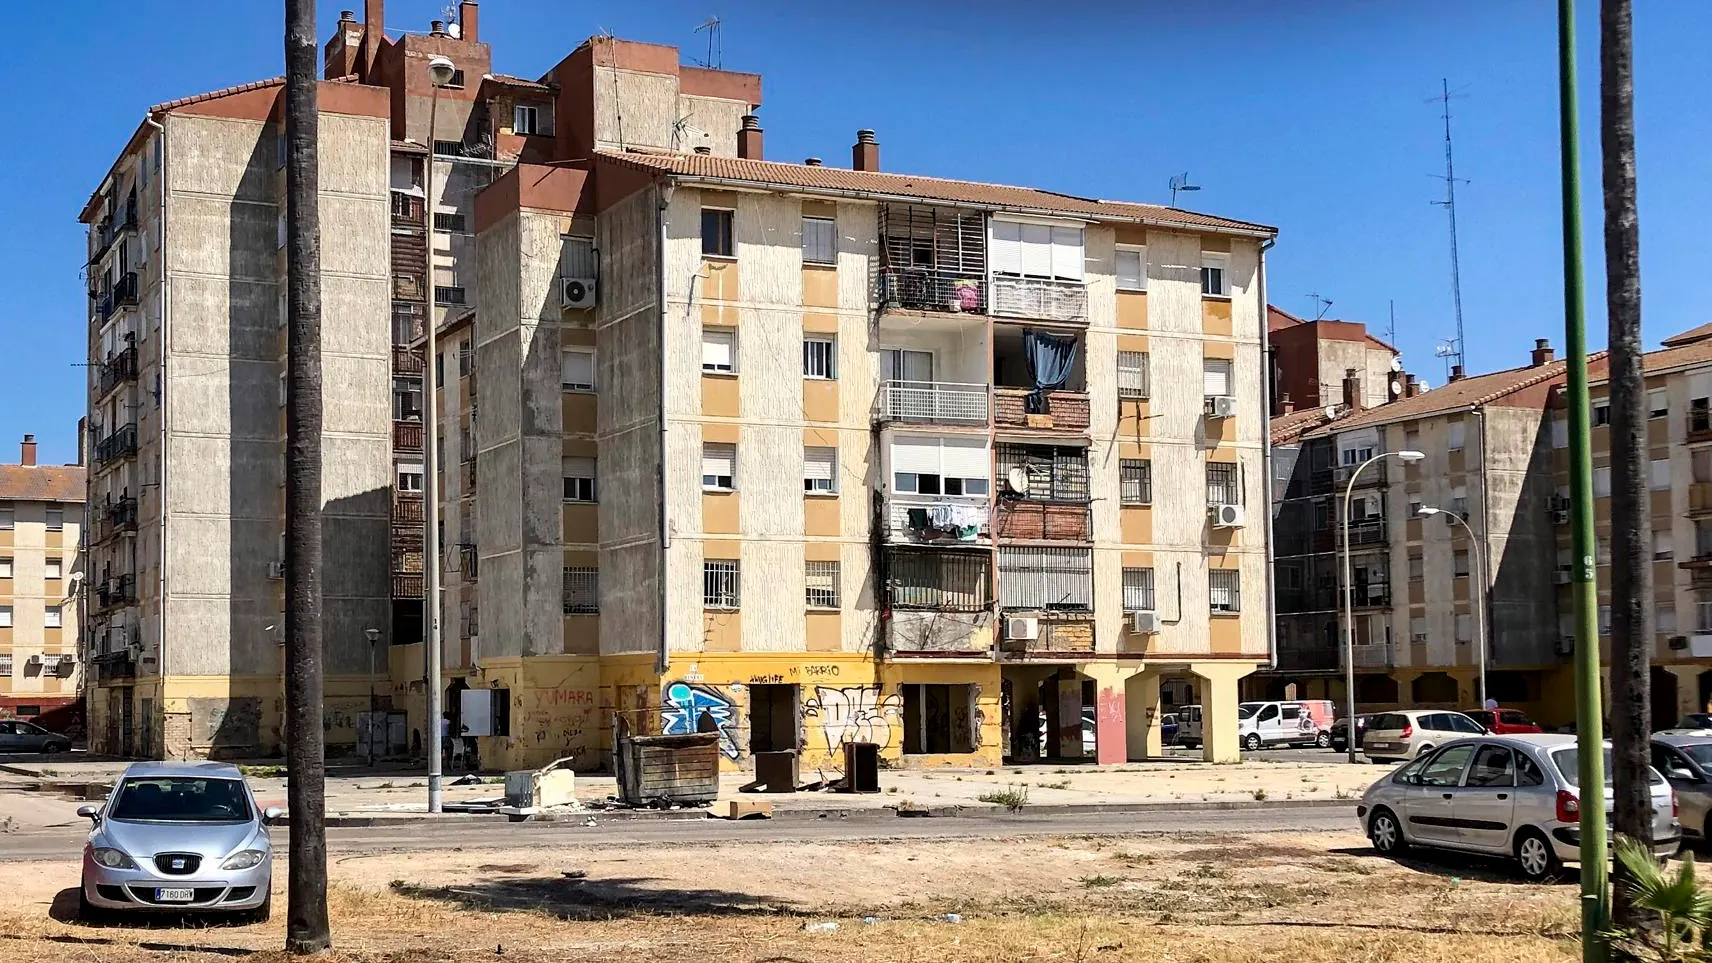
(1022, 629)
(1679, 642)
(67, 663)
(1144, 623)
(276, 569)
(1558, 503)
(33, 660)
(1220, 406)
(1419, 638)
(1560, 517)
(1226, 516)
(578, 292)
(1562, 577)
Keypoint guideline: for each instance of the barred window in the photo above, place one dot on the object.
(1054, 473)
(1132, 374)
(820, 358)
(946, 581)
(1135, 481)
(1138, 589)
(582, 590)
(822, 581)
(1059, 579)
(1222, 487)
(5, 664)
(1224, 590)
(720, 584)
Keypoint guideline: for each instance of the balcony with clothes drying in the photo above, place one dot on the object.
(1039, 383)
(933, 260)
(939, 491)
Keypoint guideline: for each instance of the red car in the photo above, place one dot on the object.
(1503, 722)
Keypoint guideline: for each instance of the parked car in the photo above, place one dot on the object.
(1503, 722)
(16, 735)
(1168, 726)
(1400, 736)
(1282, 723)
(1047, 746)
(1515, 796)
(178, 837)
(1696, 720)
(1189, 726)
(1338, 734)
(1684, 756)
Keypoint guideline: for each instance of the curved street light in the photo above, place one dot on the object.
(1479, 556)
(440, 72)
(1407, 457)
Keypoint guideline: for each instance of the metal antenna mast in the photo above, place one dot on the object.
(715, 43)
(1322, 304)
(1449, 204)
(1391, 328)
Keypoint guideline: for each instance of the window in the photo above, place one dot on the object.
(1216, 377)
(821, 578)
(720, 584)
(407, 398)
(5, 568)
(452, 222)
(1135, 481)
(52, 617)
(1660, 469)
(1658, 404)
(1664, 545)
(1417, 568)
(6, 660)
(1560, 433)
(1601, 414)
(1459, 500)
(1054, 473)
(1464, 627)
(582, 590)
(1132, 374)
(6, 518)
(718, 350)
(820, 471)
(1700, 464)
(1418, 628)
(1224, 590)
(718, 467)
(820, 358)
(56, 519)
(1037, 250)
(466, 359)
(1445, 769)
(1702, 538)
(1214, 282)
(1604, 620)
(1415, 504)
(1700, 414)
(1459, 563)
(5, 616)
(1222, 487)
(902, 364)
(523, 119)
(1666, 620)
(940, 466)
(1702, 615)
(1493, 766)
(1138, 589)
(449, 294)
(579, 479)
(410, 477)
(1131, 269)
(404, 324)
(1058, 579)
(1456, 436)
(819, 240)
(1602, 482)
(457, 81)
(716, 232)
(576, 369)
(53, 569)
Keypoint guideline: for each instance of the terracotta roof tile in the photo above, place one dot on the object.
(217, 94)
(1682, 355)
(1277, 317)
(1467, 393)
(1287, 428)
(1700, 333)
(1026, 199)
(41, 483)
(510, 81)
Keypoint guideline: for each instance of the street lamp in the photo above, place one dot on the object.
(1479, 556)
(374, 706)
(440, 71)
(1407, 457)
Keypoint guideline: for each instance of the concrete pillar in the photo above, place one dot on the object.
(1218, 708)
(1142, 710)
(1067, 726)
(1405, 688)
(1467, 687)
(1112, 712)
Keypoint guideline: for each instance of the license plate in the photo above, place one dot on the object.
(174, 895)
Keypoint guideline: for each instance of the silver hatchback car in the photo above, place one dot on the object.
(178, 837)
(1514, 796)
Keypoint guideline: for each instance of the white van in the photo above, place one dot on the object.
(1284, 723)
(1189, 727)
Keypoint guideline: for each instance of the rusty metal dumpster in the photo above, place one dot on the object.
(666, 770)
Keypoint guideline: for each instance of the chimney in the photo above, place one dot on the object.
(28, 452)
(1456, 372)
(437, 28)
(469, 18)
(865, 154)
(1351, 390)
(1411, 387)
(749, 138)
(374, 34)
(1542, 352)
(811, 162)
(341, 52)
(704, 149)
(1285, 405)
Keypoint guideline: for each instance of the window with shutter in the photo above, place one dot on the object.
(1216, 377)
(1068, 261)
(718, 350)
(1661, 474)
(1132, 374)
(940, 466)
(820, 470)
(1457, 435)
(1005, 250)
(719, 467)
(1215, 280)
(1131, 268)
(1037, 250)
(819, 240)
(576, 369)
(579, 479)
(821, 581)
(1658, 404)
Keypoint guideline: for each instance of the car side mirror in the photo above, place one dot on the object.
(91, 813)
(272, 815)
(1683, 774)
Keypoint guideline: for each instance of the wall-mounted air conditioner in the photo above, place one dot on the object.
(578, 292)
(1022, 629)
(1220, 406)
(1226, 516)
(1144, 623)
(276, 569)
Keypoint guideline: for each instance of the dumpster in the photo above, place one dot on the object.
(678, 770)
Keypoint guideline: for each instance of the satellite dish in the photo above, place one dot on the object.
(1331, 412)
(1396, 363)
(1424, 386)
(1017, 481)
(1396, 387)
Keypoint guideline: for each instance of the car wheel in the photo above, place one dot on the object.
(1323, 740)
(86, 911)
(54, 747)
(262, 913)
(1252, 742)
(1386, 833)
(1421, 752)
(1535, 855)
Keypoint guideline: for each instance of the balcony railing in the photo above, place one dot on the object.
(407, 510)
(1307, 658)
(933, 402)
(1366, 531)
(1048, 300)
(1700, 497)
(925, 289)
(407, 436)
(406, 361)
(1374, 655)
(122, 516)
(1028, 518)
(116, 591)
(468, 562)
(938, 520)
(407, 585)
(119, 369)
(939, 581)
(1065, 410)
(110, 229)
(121, 443)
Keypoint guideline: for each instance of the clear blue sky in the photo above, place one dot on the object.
(1309, 116)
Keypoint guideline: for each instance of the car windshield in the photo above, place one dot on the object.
(1388, 721)
(1247, 710)
(1566, 764)
(181, 799)
(1700, 752)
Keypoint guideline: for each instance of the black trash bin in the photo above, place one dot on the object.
(861, 767)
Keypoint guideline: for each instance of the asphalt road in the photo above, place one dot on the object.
(419, 837)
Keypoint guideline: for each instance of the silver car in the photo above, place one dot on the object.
(17, 735)
(1406, 734)
(1684, 756)
(177, 837)
(1514, 796)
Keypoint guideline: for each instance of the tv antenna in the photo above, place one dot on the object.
(1447, 350)
(1391, 328)
(1449, 204)
(1180, 182)
(715, 44)
(1321, 305)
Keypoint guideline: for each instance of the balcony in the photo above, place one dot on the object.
(1700, 498)
(407, 436)
(406, 361)
(1337, 477)
(932, 402)
(932, 259)
(116, 591)
(1370, 595)
(407, 585)
(407, 510)
(120, 444)
(950, 520)
(468, 562)
(1315, 657)
(112, 228)
(1366, 531)
(1035, 519)
(1373, 655)
(1298, 600)
(1040, 298)
(467, 476)
(926, 289)
(1066, 411)
(406, 211)
(119, 369)
(121, 516)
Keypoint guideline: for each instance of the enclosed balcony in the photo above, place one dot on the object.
(1039, 382)
(933, 259)
(1046, 495)
(940, 489)
(939, 581)
(1046, 579)
(913, 519)
(121, 443)
(1039, 271)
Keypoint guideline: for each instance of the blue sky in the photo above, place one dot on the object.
(1310, 116)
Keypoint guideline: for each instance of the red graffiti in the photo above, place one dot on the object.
(1110, 736)
(563, 697)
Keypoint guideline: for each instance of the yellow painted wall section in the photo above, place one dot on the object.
(820, 287)
(820, 400)
(823, 631)
(1216, 316)
(581, 524)
(821, 516)
(720, 512)
(1132, 310)
(555, 712)
(720, 397)
(1136, 525)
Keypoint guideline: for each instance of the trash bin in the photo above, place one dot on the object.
(861, 767)
(667, 770)
(777, 771)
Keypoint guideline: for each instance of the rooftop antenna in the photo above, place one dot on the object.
(1447, 350)
(1449, 204)
(715, 44)
(1321, 305)
(1180, 182)
(1391, 328)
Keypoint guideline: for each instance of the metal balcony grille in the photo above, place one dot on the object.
(939, 581)
(1046, 578)
(1050, 300)
(582, 590)
(933, 401)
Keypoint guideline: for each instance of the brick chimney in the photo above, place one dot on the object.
(865, 153)
(1351, 390)
(749, 138)
(374, 34)
(1285, 405)
(1543, 353)
(27, 452)
(811, 162)
(342, 50)
(1456, 372)
(469, 20)
(1411, 387)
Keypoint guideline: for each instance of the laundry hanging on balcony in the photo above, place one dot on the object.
(1050, 361)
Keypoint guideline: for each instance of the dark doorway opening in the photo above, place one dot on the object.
(773, 721)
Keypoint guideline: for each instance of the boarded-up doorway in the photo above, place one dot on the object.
(774, 722)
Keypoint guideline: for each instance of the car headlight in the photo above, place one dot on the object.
(113, 859)
(244, 859)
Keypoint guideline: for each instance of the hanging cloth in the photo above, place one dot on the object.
(1050, 360)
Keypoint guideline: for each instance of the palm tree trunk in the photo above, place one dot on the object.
(1631, 552)
(307, 929)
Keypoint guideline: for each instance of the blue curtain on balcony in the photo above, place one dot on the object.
(1050, 359)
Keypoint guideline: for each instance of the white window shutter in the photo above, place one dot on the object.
(1661, 474)
(820, 464)
(716, 350)
(966, 458)
(576, 368)
(1005, 253)
(1037, 250)
(915, 455)
(1700, 384)
(1458, 435)
(718, 460)
(1131, 270)
(1216, 378)
(1067, 257)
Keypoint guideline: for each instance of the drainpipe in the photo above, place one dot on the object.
(162, 409)
(1266, 459)
(661, 223)
(1484, 549)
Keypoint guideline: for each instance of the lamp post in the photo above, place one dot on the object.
(1479, 556)
(1407, 457)
(373, 635)
(440, 72)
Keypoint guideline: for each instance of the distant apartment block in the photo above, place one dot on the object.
(41, 532)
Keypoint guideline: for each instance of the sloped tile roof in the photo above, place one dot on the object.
(42, 483)
(833, 179)
(1469, 392)
(1285, 429)
(1690, 336)
(216, 94)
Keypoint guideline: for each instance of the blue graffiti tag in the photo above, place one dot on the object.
(684, 706)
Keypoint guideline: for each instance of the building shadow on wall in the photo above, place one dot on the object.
(574, 897)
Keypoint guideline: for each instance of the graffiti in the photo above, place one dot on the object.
(563, 697)
(821, 671)
(980, 718)
(684, 705)
(766, 679)
(853, 714)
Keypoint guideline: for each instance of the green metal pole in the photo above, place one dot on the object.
(1589, 728)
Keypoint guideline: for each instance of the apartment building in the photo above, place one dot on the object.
(41, 539)
(1310, 360)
